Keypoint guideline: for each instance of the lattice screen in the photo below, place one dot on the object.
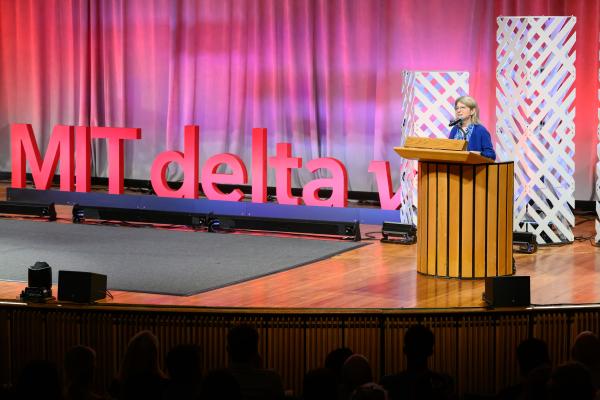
(535, 127)
(427, 107)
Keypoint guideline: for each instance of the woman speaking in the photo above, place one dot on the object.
(468, 127)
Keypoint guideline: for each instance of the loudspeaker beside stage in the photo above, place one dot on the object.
(507, 291)
(81, 287)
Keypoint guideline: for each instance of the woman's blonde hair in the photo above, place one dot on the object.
(472, 104)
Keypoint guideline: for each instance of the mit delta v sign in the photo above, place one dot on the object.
(75, 172)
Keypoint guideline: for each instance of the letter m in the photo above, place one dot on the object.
(24, 147)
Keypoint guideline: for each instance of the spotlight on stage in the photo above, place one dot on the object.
(347, 230)
(39, 283)
(81, 213)
(524, 242)
(42, 210)
(395, 232)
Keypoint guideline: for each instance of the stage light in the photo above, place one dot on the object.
(39, 283)
(43, 210)
(81, 213)
(395, 232)
(524, 242)
(347, 230)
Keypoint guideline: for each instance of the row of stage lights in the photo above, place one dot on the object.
(392, 232)
(211, 222)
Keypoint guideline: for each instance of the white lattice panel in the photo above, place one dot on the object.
(427, 106)
(535, 121)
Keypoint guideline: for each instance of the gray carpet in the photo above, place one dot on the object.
(154, 260)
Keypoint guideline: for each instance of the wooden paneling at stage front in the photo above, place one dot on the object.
(384, 275)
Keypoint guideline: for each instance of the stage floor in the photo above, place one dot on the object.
(383, 275)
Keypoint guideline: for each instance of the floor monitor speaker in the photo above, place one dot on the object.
(81, 287)
(507, 291)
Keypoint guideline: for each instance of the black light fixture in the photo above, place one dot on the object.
(345, 229)
(524, 242)
(81, 213)
(42, 210)
(39, 283)
(395, 232)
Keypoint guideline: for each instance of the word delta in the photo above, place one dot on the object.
(75, 172)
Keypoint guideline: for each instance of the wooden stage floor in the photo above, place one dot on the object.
(383, 275)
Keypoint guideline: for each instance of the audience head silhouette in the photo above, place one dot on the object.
(242, 344)
(80, 364)
(220, 385)
(184, 363)
(141, 357)
(355, 372)
(369, 391)
(586, 349)
(39, 380)
(320, 384)
(335, 360)
(571, 381)
(418, 343)
(532, 353)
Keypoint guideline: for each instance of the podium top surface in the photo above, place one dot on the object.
(435, 143)
(450, 156)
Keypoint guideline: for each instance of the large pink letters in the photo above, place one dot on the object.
(24, 147)
(75, 173)
(259, 165)
(381, 169)
(188, 160)
(210, 178)
(283, 164)
(338, 183)
(115, 137)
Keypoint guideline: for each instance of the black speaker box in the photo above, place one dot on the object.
(507, 291)
(81, 287)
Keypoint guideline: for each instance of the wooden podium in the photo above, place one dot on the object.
(465, 210)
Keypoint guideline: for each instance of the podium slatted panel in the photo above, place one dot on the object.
(454, 222)
(466, 222)
(502, 222)
(432, 220)
(479, 250)
(442, 218)
(466, 214)
(492, 227)
(509, 209)
(422, 231)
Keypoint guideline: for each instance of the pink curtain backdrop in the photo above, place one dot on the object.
(324, 75)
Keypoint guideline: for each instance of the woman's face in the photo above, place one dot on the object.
(462, 111)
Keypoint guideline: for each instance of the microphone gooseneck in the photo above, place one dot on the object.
(455, 121)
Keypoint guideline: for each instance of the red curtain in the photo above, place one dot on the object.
(324, 75)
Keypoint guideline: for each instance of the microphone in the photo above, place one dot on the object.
(455, 121)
